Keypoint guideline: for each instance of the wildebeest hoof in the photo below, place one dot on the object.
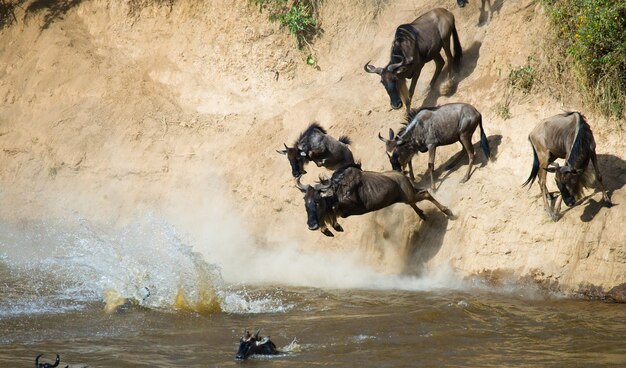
(554, 217)
(464, 180)
(449, 213)
(327, 233)
(422, 216)
(608, 203)
(338, 227)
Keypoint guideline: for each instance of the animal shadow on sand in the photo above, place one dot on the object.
(460, 159)
(613, 170)
(468, 64)
(487, 9)
(425, 242)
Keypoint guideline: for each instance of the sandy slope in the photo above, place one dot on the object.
(116, 111)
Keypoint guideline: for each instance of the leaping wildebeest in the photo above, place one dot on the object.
(566, 136)
(430, 127)
(314, 144)
(414, 45)
(351, 191)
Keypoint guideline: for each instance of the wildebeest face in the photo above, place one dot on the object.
(389, 79)
(390, 82)
(314, 203)
(296, 158)
(394, 159)
(568, 181)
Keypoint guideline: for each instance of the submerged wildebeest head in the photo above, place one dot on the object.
(46, 365)
(252, 344)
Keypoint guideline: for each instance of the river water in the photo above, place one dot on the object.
(97, 299)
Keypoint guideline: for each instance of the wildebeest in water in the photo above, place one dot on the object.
(566, 136)
(351, 191)
(314, 144)
(414, 45)
(430, 127)
(47, 365)
(253, 345)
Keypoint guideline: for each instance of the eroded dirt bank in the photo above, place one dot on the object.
(117, 109)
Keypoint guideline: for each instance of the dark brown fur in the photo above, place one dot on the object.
(352, 191)
(414, 45)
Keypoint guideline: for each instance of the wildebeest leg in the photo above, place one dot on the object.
(466, 141)
(556, 209)
(425, 195)
(414, 78)
(408, 94)
(605, 195)
(326, 232)
(419, 212)
(431, 165)
(411, 170)
(439, 63)
(446, 49)
(545, 194)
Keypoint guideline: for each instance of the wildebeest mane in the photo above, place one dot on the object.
(403, 32)
(411, 115)
(338, 174)
(582, 141)
(579, 154)
(307, 132)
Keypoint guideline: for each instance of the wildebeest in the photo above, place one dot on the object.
(351, 191)
(430, 127)
(414, 45)
(252, 345)
(314, 144)
(566, 136)
(46, 365)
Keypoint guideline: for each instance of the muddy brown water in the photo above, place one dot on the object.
(53, 281)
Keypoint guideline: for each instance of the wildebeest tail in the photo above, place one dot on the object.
(535, 169)
(484, 143)
(345, 139)
(458, 51)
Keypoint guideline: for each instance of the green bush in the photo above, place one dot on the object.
(298, 16)
(522, 77)
(593, 33)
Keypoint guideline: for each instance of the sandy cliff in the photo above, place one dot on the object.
(115, 109)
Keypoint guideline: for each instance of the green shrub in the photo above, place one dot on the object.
(593, 34)
(522, 77)
(298, 16)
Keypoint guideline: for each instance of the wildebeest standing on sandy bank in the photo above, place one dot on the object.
(414, 45)
(352, 191)
(430, 127)
(314, 144)
(566, 136)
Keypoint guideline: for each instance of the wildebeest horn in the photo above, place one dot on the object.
(323, 186)
(37, 359)
(303, 188)
(393, 67)
(57, 361)
(555, 164)
(391, 134)
(284, 152)
(256, 335)
(381, 138)
(372, 69)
